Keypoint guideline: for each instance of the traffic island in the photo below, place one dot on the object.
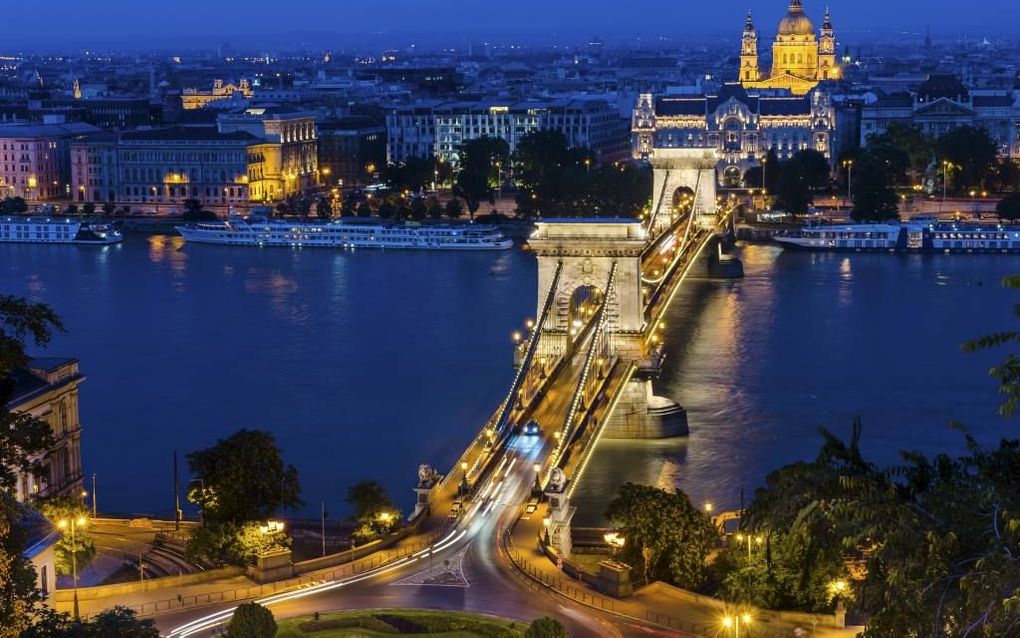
(403, 622)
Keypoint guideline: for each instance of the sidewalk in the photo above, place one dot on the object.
(687, 613)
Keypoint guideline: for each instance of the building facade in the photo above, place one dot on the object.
(349, 149)
(742, 127)
(438, 129)
(195, 99)
(800, 58)
(285, 161)
(942, 103)
(35, 159)
(48, 390)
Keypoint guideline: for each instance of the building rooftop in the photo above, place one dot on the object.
(46, 130)
(190, 134)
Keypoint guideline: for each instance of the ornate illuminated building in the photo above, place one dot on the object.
(196, 99)
(785, 112)
(742, 127)
(800, 60)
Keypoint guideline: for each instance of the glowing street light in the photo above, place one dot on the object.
(734, 623)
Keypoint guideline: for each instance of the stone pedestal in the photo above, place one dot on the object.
(428, 479)
(639, 414)
(557, 523)
(273, 566)
(614, 579)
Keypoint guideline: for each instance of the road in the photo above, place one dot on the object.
(479, 575)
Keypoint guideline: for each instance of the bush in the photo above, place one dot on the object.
(252, 620)
(546, 628)
(361, 622)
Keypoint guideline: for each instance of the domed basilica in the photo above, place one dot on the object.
(800, 60)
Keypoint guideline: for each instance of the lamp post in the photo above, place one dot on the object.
(538, 473)
(946, 165)
(74, 524)
(849, 166)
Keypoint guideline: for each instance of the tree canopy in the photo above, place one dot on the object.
(480, 167)
(251, 620)
(664, 535)
(373, 510)
(546, 627)
(244, 478)
(874, 197)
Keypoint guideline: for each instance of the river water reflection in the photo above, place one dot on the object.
(366, 364)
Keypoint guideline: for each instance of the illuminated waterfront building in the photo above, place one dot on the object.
(439, 128)
(942, 103)
(741, 126)
(35, 159)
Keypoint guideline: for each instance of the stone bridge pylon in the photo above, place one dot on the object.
(683, 170)
(576, 260)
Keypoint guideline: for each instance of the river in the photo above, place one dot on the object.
(365, 364)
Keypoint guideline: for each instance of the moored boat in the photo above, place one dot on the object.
(916, 236)
(346, 234)
(49, 230)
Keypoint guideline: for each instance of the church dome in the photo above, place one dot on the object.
(796, 21)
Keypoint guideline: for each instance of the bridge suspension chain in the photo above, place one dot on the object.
(506, 408)
(691, 220)
(599, 341)
(662, 197)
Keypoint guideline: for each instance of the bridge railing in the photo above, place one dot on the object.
(598, 338)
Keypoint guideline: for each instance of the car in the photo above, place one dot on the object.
(455, 510)
(532, 428)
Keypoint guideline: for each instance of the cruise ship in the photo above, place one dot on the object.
(346, 234)
(47, 230)
(916, 236)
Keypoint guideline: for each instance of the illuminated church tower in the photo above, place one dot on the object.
(800, 60)
(749, 53)
(828, 68)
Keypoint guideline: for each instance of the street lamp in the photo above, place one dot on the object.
(615, 541)
(538, 473)
(74, 524)
(734, 623)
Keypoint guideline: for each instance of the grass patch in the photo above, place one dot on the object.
(400, 622)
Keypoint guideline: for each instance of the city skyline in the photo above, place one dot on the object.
(105, 25)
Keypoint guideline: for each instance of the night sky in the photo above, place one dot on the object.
(56, 24)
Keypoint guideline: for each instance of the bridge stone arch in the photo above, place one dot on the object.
(677, 168)
(587, 250)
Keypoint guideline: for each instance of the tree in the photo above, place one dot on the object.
(419, 209)
(1008, 174)
(773, 169)
(118, 622)
(323, 208)
(664, 534)
(412, 175)
(194, 212)
(975, 155)
(478, 171)
(22, 436)
(874, 198)
(251, 620)
(454, 209)
(1009, 208)
(88, 209)
(244, 479)
(388, 208)
(109, 208)
(13, 205)
(75, 550)
(364, 209)
(905, 151)
(71, 210)
(546, 628)
(814, 168)
(374, 512)
(792, 193)
(435, 208)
